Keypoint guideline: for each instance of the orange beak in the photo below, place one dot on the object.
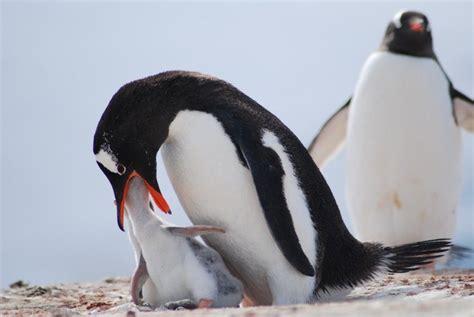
(417, 27)
(157, 198)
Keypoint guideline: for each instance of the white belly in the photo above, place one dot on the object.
(214, 188)
(404, 152)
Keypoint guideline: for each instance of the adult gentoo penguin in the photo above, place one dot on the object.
(402, 125)
(236, 166)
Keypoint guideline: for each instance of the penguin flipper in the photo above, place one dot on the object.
(331, 137)
(463, 108)
(140, 276)
(193, 231)
(267, 172)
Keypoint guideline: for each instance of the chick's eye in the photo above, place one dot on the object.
(121, 169)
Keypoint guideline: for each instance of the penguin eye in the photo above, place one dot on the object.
(121, 169)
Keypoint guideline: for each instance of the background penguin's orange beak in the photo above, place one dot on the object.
(154, 192)
(417, 27)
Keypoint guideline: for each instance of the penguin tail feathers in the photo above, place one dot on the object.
(412, 256)
(459, 252)
(354, 263)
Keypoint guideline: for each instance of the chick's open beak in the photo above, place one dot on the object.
(152, 189)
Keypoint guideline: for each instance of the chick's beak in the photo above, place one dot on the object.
(154, 191)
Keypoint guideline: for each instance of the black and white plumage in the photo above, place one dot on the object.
(234, 165)
(402, 127)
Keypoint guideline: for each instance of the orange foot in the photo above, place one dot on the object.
(247, 302)
(429, 267)
(205, 303)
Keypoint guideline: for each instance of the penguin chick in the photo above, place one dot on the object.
(178, 266)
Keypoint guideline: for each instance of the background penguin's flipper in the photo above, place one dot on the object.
(463, 108)
(331, 137)
(267, 172)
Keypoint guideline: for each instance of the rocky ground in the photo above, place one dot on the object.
(440, 293)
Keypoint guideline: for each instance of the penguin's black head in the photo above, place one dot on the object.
(409, 33)
(125, 146)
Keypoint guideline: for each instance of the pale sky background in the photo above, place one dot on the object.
(61, 64)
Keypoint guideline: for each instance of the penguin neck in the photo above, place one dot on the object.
(404, 47)
(137, 201)
(159, 129)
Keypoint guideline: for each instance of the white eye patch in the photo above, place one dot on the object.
(417, 20)
(108, 160)
(397, 19)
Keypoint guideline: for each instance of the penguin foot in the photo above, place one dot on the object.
(247, 302)
(180, 305)
(205, 303)
(429, 267)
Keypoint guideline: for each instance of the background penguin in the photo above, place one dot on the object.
(234, 165)
(402, 124)
(177, 266)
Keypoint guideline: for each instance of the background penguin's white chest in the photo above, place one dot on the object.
(214, 188)
(404, 151)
